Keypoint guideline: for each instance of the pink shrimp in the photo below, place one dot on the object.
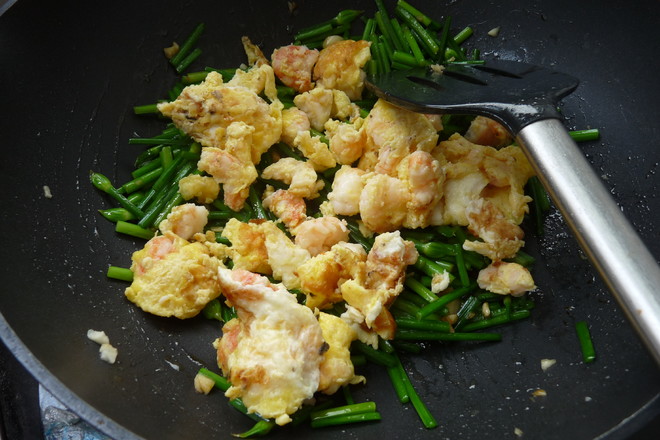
(293, 66)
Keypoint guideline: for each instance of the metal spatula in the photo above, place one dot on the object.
(524, 99)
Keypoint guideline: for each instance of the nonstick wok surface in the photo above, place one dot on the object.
(70, 73)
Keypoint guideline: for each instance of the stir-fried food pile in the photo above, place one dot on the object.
(318, 219)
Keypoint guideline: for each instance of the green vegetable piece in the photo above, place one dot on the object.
(146, 109)
(260, 428)
(134, 230)
(586, 344)
(103, 183)
(213, 310)
(120, 273)
(186, 48)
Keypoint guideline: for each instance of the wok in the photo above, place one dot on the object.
(70, 73)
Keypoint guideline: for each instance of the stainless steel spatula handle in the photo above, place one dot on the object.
(615, 249)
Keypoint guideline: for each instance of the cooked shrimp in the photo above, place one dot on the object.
(340, 67)
(485, 131)
(382, 213)
(185, 220)
(299, 175)
(287, 206)
(385, 271)
(294, 121)
(459, 192)
(293, 66)
(318, 235)
(346, 190)
(346, 140)
(387, 261)
(203, 188)
(317, 105)
(284, 257)
(173, 277)
(506, 278)
(501, 237)
(424, 178)
(232, 167)
(273, 351)
(504, 174)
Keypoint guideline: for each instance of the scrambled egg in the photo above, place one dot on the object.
(272, 353)
(173, 277)
(340, 67)
(203, 188)
(506, 278)
(393, 133)
(321, 276)
(336, 368)
(233, 123)
(248, 246)
(205, 111)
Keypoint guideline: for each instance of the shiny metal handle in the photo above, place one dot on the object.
(606, 236)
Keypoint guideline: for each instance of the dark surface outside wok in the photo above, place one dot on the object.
(70, 73)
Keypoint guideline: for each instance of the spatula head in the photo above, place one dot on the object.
(513, 93)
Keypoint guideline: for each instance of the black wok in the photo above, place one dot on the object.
(70, 73)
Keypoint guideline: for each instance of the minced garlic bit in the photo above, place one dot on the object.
(547, 363)
(518, 432)
(98, 336)
(171, 51)
(485, 309)
(203, 384)
(107, 352)
(539, 393)
(440, 282)
(494, 32)
(438, 68)
(47, 193)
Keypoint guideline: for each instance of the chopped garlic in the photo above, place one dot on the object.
(98, 336)
(440, 282)
(171, 51)
(518, 432)
(485, 309)
(47, 193)
(539, 393)
(494, 32)
(438, 68)
(203, 384)
(547, 363)
(108, 353)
